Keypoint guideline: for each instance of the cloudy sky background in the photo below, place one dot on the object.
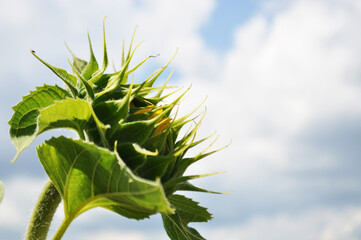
(283, 83)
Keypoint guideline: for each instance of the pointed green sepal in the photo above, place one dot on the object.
(121, 77)
(186, 186)
(155, 77)
(172, 184)
(68, 79)
(92, 66)
(78, 63)
(88, 86)
(98, 74)
(113, 111)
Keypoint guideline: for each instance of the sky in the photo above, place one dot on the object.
(282, 81)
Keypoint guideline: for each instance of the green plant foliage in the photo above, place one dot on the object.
(187, 211)
(23, 124)
(130, 157)
(89, 176)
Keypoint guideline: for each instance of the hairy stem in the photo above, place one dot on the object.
(43, 213)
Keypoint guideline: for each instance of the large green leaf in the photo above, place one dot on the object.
(69, 113)
(187, 210)
(23, 124)
(1, 191)
(88, 176)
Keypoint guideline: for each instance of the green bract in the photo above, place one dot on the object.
(130, 157)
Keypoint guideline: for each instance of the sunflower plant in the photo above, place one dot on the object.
(130, 157)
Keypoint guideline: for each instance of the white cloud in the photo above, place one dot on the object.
(286, 72)
(168, 25)
(19, 199)
(15, 12)
(110, 234)
(322, 224)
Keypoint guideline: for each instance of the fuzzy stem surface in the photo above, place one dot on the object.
(43, 213)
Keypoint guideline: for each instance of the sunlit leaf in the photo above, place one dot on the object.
(88, 176)
(69, 113)
(187, 210)
(23, 124)
(78, 63)
(92, 66)
(98, 74)
(186, 186)
(68, 79)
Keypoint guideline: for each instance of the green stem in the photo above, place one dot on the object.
(62, 228)
(43, 213)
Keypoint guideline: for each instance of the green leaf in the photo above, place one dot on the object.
(88, 86)
(78, 63)
(113, 111)
(92, 65)
(1, 191)
(23, 123)
(155, 166)
(89, 176)
(174, 183)
(68, 79)
(186, 186)
(98, 74)
(136, 132)
(133, 155)
(178, 230)
(160, 71)
(186, 162)
(120, 78)
(187, 210)
(69, 113)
